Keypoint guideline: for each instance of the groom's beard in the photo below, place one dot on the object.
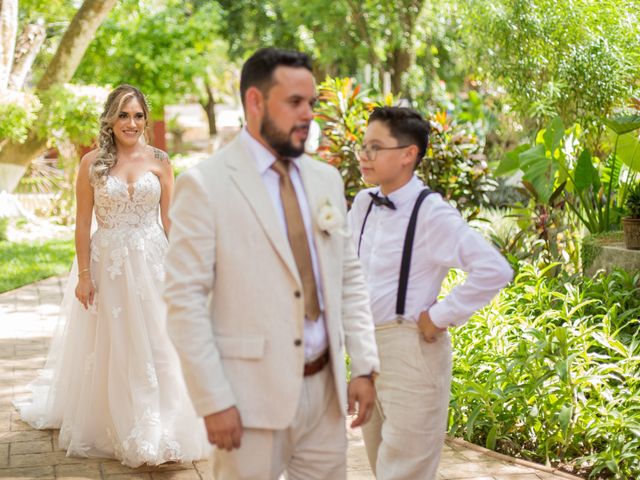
(281, 141)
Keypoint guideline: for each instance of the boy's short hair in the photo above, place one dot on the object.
(406, 125)
(258, 70)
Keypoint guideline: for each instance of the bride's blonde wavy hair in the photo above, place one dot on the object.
(106, 158)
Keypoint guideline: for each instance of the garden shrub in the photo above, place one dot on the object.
(550, 371)
(455, 165)
(18, 112)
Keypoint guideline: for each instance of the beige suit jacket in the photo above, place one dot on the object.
(233, 312)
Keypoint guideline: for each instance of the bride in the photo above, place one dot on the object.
(112, 381)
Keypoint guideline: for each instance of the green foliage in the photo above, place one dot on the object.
(163, 48)
(633, 201)
(342, 111)
(342, 39)
(557, 166)
(4, 224)
(71, 113)
(18, 112)
(22, 263)
(455, 166)
(576, 59)
(549, 372)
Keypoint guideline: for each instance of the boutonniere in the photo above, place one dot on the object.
(330, 219)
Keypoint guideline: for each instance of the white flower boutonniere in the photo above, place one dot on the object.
(330, 219)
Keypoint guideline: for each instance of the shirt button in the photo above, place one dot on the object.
(297, 294)
(297, 342)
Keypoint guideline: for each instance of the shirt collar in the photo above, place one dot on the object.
(407, 192)
(261, 154)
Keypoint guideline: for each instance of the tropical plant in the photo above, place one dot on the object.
(557, 166)
(455, 165)
(342, 111)
(633, 201)
(549, 372)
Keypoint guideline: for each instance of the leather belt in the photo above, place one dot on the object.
(316, 365)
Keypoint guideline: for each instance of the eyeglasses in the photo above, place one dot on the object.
(371, 151)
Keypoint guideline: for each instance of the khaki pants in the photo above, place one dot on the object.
(314, 447)
(405, 436)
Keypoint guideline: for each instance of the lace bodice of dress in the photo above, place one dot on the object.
(118, 204)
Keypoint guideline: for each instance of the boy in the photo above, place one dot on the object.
(408, 238)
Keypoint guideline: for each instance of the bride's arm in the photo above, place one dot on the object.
(165, 174)
(84, 208)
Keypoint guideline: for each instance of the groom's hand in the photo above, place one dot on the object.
(361, 391)
(224, 428)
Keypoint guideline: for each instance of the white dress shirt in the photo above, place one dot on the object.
(443, 241)
(315, 332)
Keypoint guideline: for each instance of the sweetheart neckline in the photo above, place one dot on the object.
(136, 180)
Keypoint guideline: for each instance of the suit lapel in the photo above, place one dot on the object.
(247, 178)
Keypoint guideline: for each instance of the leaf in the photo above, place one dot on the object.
(556, 193)
(511, 161)
(553, 135)
(472, 420)
(491, 438)
(623, 123)
(629, 150)
(585, 174)
(564, 418)
(612, 465)
(539, 170)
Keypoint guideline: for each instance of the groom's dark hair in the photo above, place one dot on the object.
(258, 70)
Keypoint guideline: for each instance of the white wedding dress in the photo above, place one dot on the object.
(112, 381)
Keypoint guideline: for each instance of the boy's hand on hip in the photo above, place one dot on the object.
(429, 331)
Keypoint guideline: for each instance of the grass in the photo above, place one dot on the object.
(22, 263)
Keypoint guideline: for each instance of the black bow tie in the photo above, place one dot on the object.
(381, 200)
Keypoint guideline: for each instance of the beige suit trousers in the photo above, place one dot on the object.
(404, 439)
(314, 447)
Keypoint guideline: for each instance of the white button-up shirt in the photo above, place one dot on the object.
(443, 240)
(315, 332)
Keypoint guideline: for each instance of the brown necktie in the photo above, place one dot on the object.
(297, 235)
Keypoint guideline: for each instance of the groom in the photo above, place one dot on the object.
(262, 297)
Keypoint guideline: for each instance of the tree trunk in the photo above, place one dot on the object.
(362, 25)
(74, 42)
(8, 31)
(63, 65)
(15, 158)
(210, 110)
(27, 47)
(400, 62)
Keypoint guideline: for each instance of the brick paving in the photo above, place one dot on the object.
(27, 317)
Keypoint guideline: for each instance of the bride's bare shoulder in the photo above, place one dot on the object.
(88, 158)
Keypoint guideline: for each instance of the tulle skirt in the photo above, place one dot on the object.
(112, 381)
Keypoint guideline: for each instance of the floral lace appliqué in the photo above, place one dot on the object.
(151, 375)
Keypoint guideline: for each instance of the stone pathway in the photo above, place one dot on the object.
(27, 317)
